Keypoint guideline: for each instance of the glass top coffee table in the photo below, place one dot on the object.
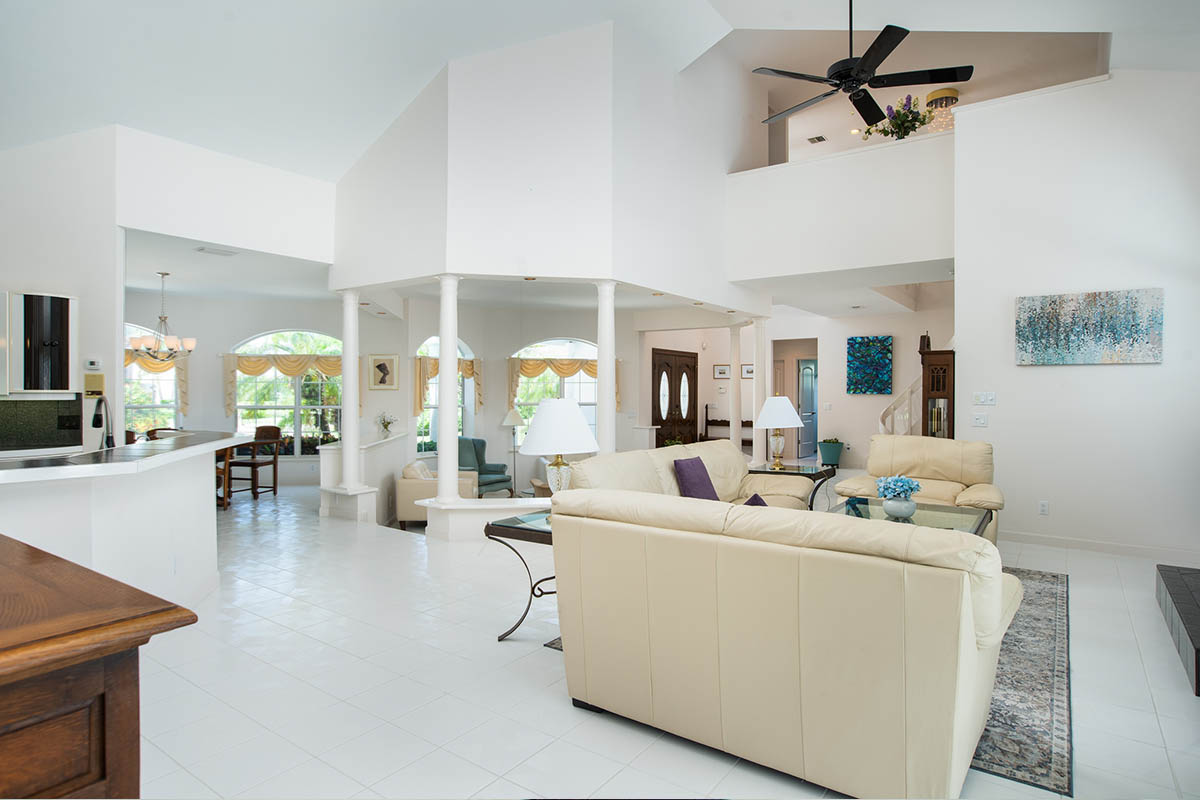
(818, 475)
(930, 515)
(533, 527)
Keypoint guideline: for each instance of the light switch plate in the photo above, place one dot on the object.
(979, 420)
(984, 398)
(827, 406)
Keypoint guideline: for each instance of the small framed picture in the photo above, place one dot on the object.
(721, 372)
(382, 372)
(747, 371)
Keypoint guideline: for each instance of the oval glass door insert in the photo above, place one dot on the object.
(683, 395)
(664, 394)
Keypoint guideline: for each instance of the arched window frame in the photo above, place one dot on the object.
(427, 422)
(578, 387)
(306, 407)
(160, 388)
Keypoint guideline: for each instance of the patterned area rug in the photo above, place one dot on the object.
(1028, 734)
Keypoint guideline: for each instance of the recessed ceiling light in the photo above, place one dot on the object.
(697, 303)
(216, 251)
(381, 313)
(856, 306)
(731, 311)
(531, 279)
(656, 294)
(855, 131)
(363, 304)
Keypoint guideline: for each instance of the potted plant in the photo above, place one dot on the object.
(386, 421)
(897, 492)
(902, 120)
(831, 451)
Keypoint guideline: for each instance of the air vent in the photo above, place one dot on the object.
(216, 251)
(816, 139)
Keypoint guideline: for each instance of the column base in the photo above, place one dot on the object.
(463, 519)
(354, 504)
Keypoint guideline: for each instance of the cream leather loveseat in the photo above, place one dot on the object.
(856, 654)
(654, 471)
(951, 472)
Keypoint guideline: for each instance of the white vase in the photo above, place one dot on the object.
(899, 508)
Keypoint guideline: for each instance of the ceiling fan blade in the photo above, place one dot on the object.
(867, 108)
(812, 101)
(888, 40)
(941, 75)
(783, 73)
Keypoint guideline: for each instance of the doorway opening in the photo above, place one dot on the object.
(796, 377)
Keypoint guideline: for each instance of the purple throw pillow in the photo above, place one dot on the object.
(754, 500)
(693, 479)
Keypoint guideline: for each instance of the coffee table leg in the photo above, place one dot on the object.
(535, 588)
(812, 496)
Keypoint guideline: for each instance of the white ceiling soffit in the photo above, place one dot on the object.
(245, 272)
(303, 85)
(874, 290)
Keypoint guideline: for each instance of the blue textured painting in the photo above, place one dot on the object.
(1123, 327)
(869, 365)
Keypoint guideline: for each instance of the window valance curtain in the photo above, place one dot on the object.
(288, 364)
(181, 374)
(562, 367)
(426, 367)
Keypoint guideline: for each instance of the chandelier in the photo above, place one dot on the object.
(940, 102)
(162, 345)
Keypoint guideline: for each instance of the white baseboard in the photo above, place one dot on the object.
(1168, 555)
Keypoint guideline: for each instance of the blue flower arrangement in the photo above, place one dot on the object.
(897, 487)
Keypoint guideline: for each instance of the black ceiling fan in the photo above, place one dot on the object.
(851, 74)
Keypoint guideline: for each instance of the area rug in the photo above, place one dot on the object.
(1028, 734)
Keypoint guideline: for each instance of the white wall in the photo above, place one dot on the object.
(887, 204)
(854, 418)
(166, 186)
(58, 226)
(391, 205)
(219, 323)
(1070, 203)
(530, 158)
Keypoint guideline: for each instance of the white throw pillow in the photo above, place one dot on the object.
(418, 470)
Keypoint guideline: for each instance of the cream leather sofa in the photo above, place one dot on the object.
(418, 482)
(856, 654)
(654, 471)
(951, 472)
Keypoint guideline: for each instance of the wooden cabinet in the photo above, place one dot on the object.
(69, 675)
(43, 334)
(937, 393)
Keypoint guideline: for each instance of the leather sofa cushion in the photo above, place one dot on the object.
(923, 457)
(654, 470)
(693, 479)
(932, 491)
(418, 470)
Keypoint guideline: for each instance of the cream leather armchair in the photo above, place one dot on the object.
(856, 654)
(418, 482)
(951, 472)
(654, 471)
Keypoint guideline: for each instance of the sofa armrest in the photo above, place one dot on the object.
(858, 486)
(981, 495)
(1011, 594)
(790, 485)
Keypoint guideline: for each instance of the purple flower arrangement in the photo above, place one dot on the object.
(902, 120)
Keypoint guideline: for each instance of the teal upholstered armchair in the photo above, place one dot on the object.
(492, 477)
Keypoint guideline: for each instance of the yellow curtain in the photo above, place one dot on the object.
(158, 367)
(288, 364)
(562, 367)
(426, 367)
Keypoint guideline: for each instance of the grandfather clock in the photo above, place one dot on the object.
(937, 389)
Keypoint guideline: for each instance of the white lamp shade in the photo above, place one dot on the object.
(778, 412)
(558, 427)
(512, 419)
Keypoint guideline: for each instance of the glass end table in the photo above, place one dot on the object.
(818, 475)
(930, 515)
(533, 527)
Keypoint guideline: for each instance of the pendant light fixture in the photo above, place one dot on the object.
(162, 345)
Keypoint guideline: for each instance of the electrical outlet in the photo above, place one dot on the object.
(979, 420)
(1044, 508)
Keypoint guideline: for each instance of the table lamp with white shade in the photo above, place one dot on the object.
(557, 427)
(776, 414)
(511, 420)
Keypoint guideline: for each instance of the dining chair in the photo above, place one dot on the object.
(264, 452)
(153, 432)
(223, 457)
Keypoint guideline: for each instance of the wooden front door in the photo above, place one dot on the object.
(673, 396)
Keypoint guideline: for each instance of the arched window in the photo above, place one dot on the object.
(427, 422)
(150, 397)
(578, 387)
(306, 408)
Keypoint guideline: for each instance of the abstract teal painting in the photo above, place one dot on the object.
(869, 365)
(1121, 327)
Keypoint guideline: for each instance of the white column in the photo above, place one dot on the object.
(735, 386)
(761, 387)
(350, 438)
(447, 451)
(606, 366)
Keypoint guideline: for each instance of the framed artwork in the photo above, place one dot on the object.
(747, 371)
(869, 365)
(721, 372)
(1122, 327)
(382, 372)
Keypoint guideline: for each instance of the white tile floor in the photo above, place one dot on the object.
(349, 660)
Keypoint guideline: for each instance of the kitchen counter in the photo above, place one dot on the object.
(119, 460)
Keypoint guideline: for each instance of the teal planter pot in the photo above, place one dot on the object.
(831, 452)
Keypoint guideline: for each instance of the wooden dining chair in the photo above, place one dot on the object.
(264, 452)
(130, 437)
(223, 457)
(153, 432)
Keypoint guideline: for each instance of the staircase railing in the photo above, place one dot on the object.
(903, 415)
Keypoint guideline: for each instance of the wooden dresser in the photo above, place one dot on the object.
(69, 675)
